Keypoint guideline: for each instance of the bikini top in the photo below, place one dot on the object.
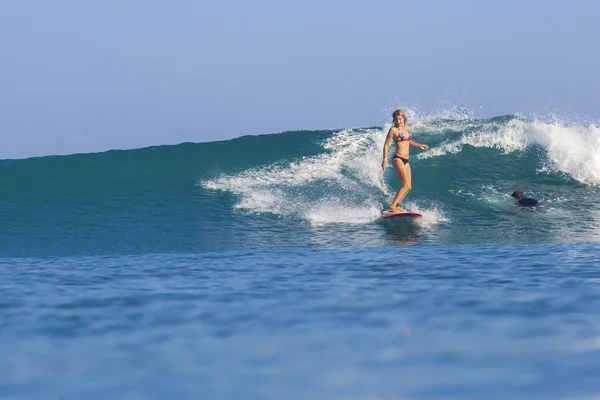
(402, 138)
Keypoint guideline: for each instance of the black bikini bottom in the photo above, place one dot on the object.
(404, 160)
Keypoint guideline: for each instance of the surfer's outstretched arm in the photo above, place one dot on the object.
(419, 145)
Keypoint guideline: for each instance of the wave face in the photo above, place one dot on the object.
(308, 189)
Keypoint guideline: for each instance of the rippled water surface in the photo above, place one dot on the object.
(409, 322)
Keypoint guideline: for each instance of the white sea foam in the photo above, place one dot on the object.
(327, 213)
(338, 186)
(432, 214)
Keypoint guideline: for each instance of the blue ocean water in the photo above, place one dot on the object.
(258, 268)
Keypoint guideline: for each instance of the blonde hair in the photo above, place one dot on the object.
(400, 112)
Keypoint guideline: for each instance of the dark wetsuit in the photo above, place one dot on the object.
(525, 202)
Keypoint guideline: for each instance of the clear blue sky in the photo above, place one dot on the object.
(82, 76)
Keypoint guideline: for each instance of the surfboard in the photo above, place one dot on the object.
(399, 214)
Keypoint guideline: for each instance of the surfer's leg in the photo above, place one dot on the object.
(403, 171)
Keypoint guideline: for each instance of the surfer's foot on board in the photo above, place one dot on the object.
(396, 209)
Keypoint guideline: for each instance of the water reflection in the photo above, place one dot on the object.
(403, 232)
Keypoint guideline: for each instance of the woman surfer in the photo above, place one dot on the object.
(400, 135)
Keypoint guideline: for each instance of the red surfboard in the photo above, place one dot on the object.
(399, 214)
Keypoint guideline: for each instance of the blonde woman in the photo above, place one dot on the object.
(399, 134)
